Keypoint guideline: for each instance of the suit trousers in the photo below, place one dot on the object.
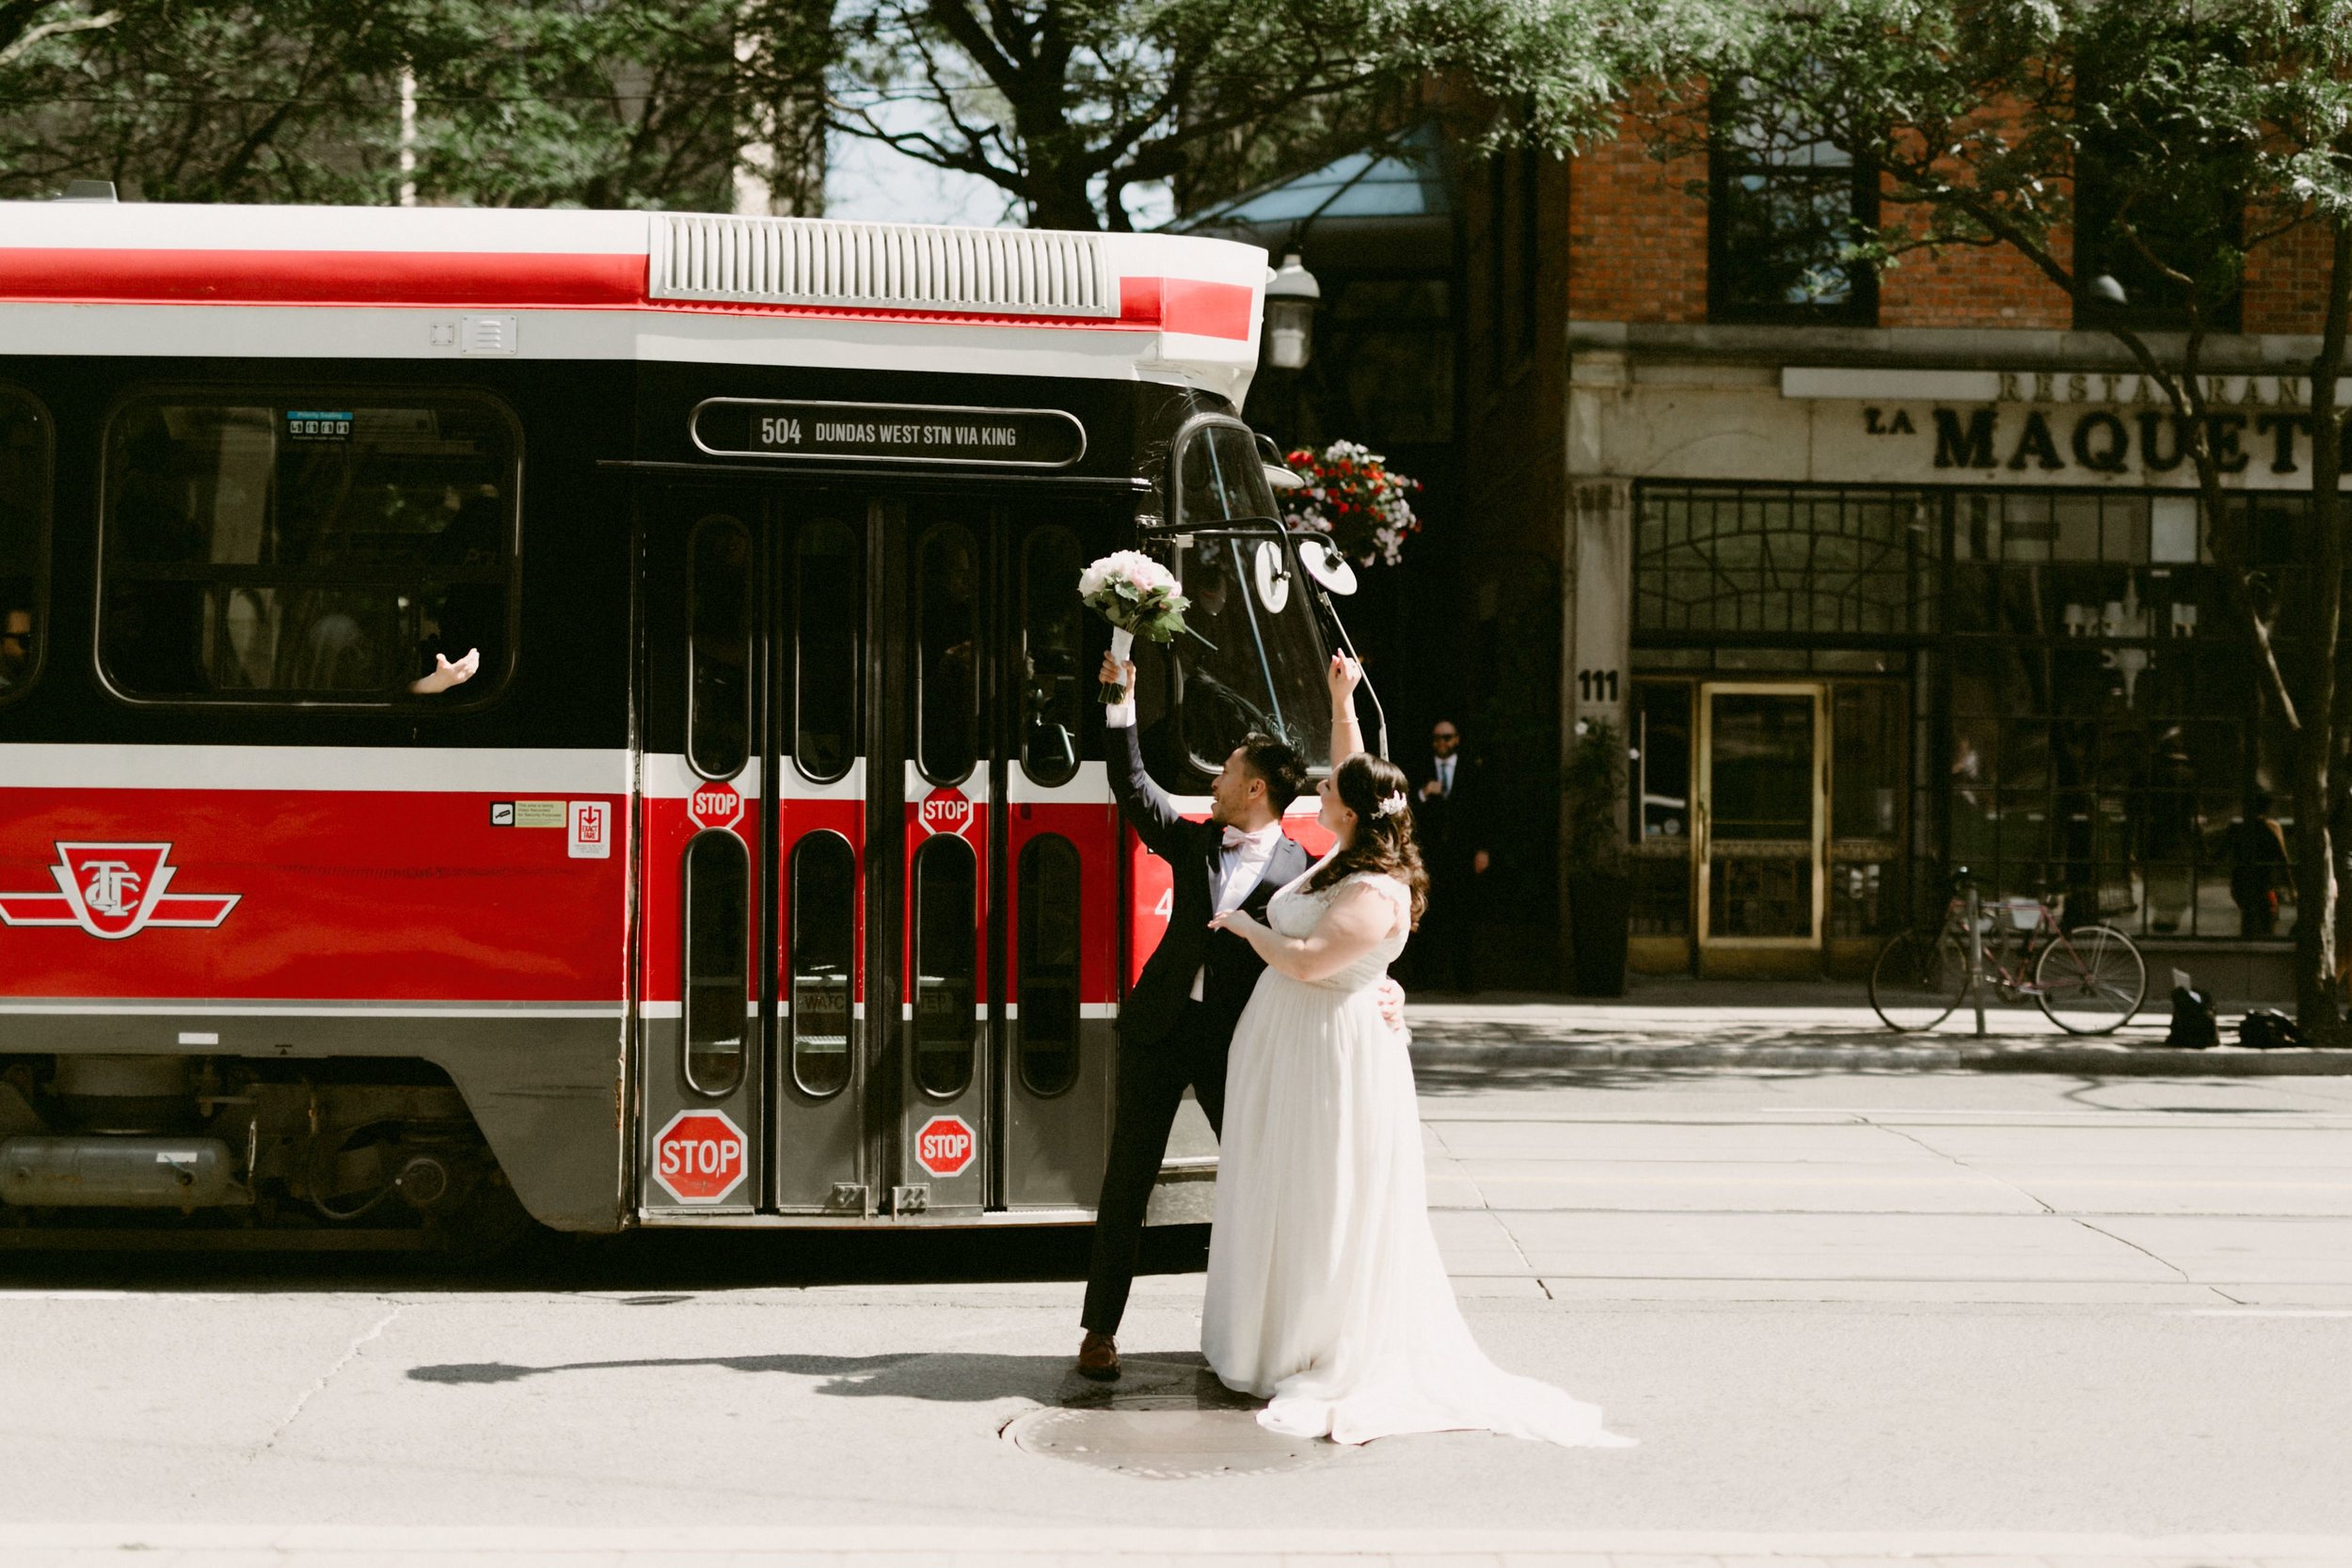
(1444, 950)
(1151, 1083)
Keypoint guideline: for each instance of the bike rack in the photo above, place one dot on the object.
(1976, 952)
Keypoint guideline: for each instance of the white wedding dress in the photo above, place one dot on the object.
(1327, 1295)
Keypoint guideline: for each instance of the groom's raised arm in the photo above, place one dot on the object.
(1143, 802)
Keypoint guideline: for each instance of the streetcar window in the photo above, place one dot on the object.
(719, 647)
(946, 652)
(718, 947)
(307, 551)
(1047, 964)
(1220, 476)
(827, 613)
(1249, 668)
(1054, 681)
(945, 964)
(23, 541)
(822, 953)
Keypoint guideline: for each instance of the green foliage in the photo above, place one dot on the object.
(596, 104)
(1593, 784)
(274, 100)
(516, 102)
(1067, 104)
(1980, 115)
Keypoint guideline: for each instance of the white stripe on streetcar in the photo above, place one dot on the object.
(617, 335)
(406, 769)
(146, 1007)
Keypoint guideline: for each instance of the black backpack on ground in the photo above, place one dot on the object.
(2194, 1027)
(2265, 1029)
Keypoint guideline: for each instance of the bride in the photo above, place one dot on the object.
(1327, 1295)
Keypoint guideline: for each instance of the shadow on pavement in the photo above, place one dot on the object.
(658, 1264)
(953, 1377)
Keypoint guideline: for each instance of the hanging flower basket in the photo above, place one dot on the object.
(1354, 497)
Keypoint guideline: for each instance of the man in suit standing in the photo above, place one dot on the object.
(1447, 800)
(1178, 1022)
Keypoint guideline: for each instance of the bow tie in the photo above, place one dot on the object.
(1236, 839)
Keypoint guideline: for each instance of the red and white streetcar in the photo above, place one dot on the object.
(764, 871)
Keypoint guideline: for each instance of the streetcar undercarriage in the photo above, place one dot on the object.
(382, 1149)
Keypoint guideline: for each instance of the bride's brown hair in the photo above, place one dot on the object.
(1384, 841)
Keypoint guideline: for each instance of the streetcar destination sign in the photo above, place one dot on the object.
(889, 433)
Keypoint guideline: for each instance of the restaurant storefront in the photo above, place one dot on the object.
(1866, 626)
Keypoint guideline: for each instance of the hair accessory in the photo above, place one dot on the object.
(1392, 806)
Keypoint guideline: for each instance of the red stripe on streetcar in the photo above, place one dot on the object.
(480, 280)
(321, 278)
(1187, 305)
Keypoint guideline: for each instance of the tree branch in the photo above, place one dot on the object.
(33, 34)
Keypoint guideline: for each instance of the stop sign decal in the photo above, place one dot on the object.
(698, 1157)
(945, 1146)
(715, 805)
(945, 810)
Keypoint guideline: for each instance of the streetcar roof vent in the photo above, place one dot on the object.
(887, 267)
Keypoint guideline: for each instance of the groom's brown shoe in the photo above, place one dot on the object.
(1098, 1357)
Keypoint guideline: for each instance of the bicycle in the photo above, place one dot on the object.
(2089, 980)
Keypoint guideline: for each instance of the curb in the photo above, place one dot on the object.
(2070, 1058)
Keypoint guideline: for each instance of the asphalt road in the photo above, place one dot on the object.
(1887, 1305)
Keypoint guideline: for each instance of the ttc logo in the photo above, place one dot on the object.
(115, 891)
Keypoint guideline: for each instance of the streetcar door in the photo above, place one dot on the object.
(887, 793)
(817, 973)
(704, 822)
(752, 1084)
(1058, 920)
(1003, 1063)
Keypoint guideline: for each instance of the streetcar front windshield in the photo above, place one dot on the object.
(1253, 655)
(1253, 661)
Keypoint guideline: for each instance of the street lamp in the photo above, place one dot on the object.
(1291, 292)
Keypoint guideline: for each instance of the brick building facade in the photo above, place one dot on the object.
(1915, 585)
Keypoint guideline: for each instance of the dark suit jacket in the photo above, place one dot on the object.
(1452, 828)
(1195, 852)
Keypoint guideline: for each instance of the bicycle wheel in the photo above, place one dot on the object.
(2090, 980)
(1920, 976)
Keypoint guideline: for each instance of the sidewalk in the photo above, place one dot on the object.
(329, 1546)
(1681, 1022)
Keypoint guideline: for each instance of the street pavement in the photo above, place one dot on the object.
(1947, 1318)
(1682, 1022)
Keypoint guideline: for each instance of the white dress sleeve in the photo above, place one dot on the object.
(1389, 888)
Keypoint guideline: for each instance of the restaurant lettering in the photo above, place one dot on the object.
(2222, 391)
(2105, 441)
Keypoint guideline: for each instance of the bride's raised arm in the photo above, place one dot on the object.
(1347, 733)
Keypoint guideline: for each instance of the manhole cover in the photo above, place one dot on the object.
(1164, 1437)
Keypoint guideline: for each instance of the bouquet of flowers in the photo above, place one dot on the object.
(1352, 496)
(1139, 597)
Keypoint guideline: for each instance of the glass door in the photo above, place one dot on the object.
(815, 854)
(997, 910)
(881, 878)
(1762, 840)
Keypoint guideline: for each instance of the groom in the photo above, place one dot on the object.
(1179, 1019)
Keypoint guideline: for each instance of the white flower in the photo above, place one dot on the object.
(1138, 571)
